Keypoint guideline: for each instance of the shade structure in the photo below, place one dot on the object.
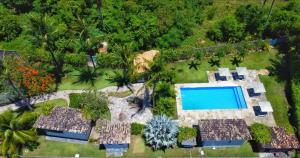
(259, 87)
(224, 72)
(242, 71)
(265, 106)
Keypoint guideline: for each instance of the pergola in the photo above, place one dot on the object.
(224, 72)
(242, 71)
(259, 87)
(265, 106)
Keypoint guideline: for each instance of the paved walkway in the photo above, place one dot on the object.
(63, 95)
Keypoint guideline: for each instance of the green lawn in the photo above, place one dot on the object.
(259, 60)
(276, 95)
(55, 102)
(53, 148)
(70, 81)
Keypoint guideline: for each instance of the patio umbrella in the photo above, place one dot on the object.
(265, 106)
(224, 72)
(259, 88)
(242, 71)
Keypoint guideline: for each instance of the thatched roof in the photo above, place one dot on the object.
(113, 132)
(282, 140)
(141, 61)
(64, 119)
(224, 129)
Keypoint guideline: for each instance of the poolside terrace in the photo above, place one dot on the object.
(191, 117)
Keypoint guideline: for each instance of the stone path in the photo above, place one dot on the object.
(64, 95)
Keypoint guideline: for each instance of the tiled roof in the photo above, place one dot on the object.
(113, 132)
(224, 129)
(281, 140)
(64, 119)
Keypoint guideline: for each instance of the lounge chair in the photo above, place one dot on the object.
(258, 112)
(236, 76)
(220, 78)
(252, 93)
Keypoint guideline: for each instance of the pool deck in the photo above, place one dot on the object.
(191, 117)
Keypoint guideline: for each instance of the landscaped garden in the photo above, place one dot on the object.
(90, 45)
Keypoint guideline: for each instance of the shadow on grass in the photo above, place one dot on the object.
(87, 75)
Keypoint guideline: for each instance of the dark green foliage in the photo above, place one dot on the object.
(32, 145)
(10, 27)
(260, 133)
(296, 100)
(193, 65)
(87, 75)
(227, 30)
(75, 100)
(137, 128)
(186, 133)
(254, 17)
(76, 60)
(165, 106)
(19, 5)
(164, 90)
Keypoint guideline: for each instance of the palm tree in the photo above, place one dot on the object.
(236, 61)
(15, 131)
(214, 62)
(193, 65)
(121, 79)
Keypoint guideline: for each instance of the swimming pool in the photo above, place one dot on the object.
(205, 98)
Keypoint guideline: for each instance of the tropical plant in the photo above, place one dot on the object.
(236, 61)
(166, 106)
(214, 61)
(186, 133)
(121, 79)
(193, 65)
(86, 75)
(15, 131)
(160, 132)
(260, 133)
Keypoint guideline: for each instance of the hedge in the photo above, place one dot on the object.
(75, 100)
(296, 100)
(260, 133)
(186, 133)
(137, 128)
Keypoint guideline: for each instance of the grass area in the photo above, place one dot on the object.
(258, 60)
(276, 95)
(243, 151)
(120, 94)
(54, 148)
(55, 102)
(70, 81)
(137, 149)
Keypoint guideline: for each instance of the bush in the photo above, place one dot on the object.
(227, 30)
(186, 133)
(296, 100)
(260, 133)
(75, 100)
(47, 108)
(160, 132)
(75, 59)
(136, 128)
(165, 106)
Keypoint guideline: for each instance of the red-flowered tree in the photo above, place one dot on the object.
(33, 82)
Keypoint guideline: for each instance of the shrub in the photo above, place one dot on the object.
(186, 133)
(260, 133)
(227, 30)
(160, 132)
(296, 100)
(136, 128)
(75, 100)
(165, 106)
(47, 108)
(76, 59)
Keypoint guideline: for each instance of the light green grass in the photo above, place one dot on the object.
(120, 94)
(276, 95)
(138, 145)
(55, 102)
(69, 81)
(244, 151)
(258, 60)
(55, 148)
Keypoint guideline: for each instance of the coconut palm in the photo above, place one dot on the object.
(121, 79)
(236, 61)
(214, 62)
(15, 131)
(193, 65)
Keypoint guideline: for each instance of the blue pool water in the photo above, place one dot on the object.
(204, 98)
